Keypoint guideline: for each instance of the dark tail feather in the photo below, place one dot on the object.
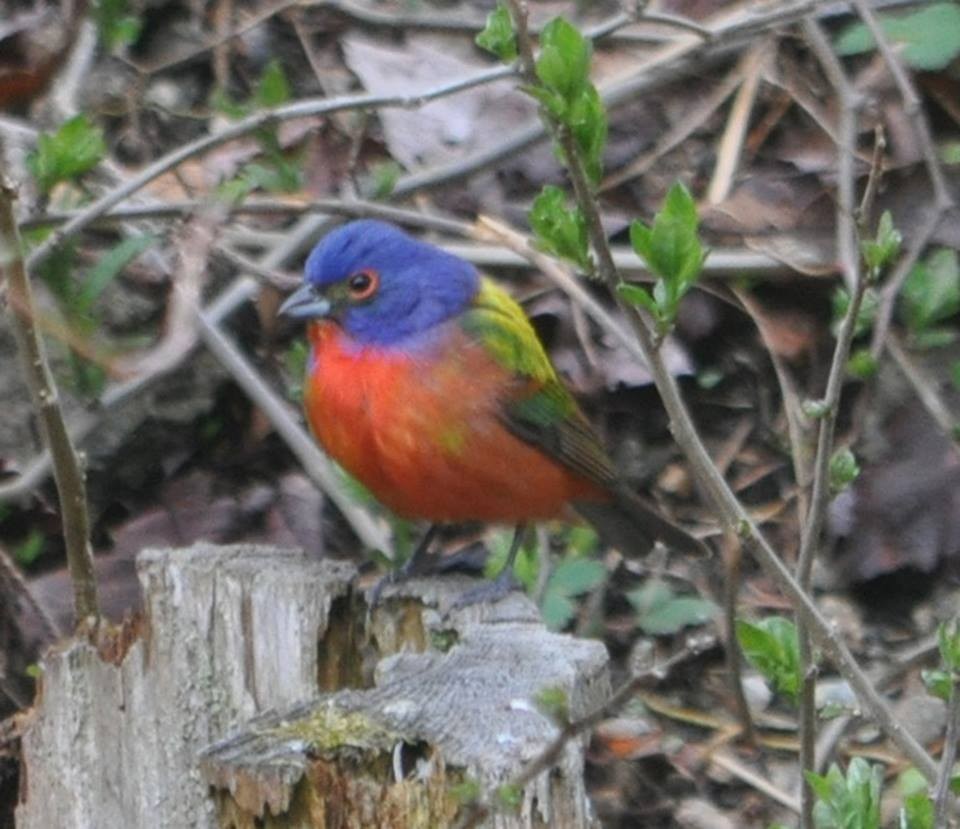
(630, 524)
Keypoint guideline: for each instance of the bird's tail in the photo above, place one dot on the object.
(630, 524)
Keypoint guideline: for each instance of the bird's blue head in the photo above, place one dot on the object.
(382, 286)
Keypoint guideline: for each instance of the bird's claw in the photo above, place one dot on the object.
(488, 592)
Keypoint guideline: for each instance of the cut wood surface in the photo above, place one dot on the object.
(259, 691)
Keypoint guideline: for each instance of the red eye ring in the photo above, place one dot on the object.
(363, 285)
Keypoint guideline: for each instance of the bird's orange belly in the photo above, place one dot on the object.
(426, 439)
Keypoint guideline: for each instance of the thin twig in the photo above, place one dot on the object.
(701, 110)
(179, 334)
(855, 279)
(923, 387)
(675, 21)
(731, 547)
(941, 797)
(798, 426)
(19, 585)
(220, 39)
(71, 487)
(723, 261)
(751, 778)
(354, 208)
(864, 211)
(730, 147)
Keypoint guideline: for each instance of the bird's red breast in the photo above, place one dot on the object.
(422, 430)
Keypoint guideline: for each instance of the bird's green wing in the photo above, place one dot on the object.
(540, 409)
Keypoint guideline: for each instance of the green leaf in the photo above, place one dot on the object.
(574, 576)
(862, 364)
(948, 641)
(30, 549)
(815, 409)
(76, 147)
(526, 568)
(581, 539)
(116, 27)
(638, 295)
(865, 316)
(879, 252)
(220, 101)
(661, 612)
(564, 62)
(671, 248)
(560, 230)
(929, 38)
(570, 578)
(931, 293)
(554, 702)
(950, 152)
(680, 207)
(934, 337)
(672, 251)
(273, 88)
(588, 121)
(911, 781)
(384, 177)
(844, 470)
(278, 176)
(847, 802)
(557, 610)
(939, 683)
(917, 812)
(498, 35)
(772, 647)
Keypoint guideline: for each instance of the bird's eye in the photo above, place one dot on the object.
(363, 285)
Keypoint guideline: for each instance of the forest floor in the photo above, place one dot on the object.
(731, 98)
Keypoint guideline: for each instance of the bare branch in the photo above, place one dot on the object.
(942, 792)
(71, 486)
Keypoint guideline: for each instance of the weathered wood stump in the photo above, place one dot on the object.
(260, 692)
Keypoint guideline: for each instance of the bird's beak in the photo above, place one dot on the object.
(305, 304)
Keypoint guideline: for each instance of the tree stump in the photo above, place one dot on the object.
(259, 691)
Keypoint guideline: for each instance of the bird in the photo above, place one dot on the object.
(427, 382)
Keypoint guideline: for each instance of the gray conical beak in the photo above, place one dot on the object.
(305, 304)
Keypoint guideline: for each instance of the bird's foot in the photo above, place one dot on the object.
(417, 565)
(488, 592)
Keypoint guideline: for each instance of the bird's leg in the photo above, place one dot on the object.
(503, 584)
(518, 535)
(421, 560)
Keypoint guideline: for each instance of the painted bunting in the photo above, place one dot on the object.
(427, 382)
